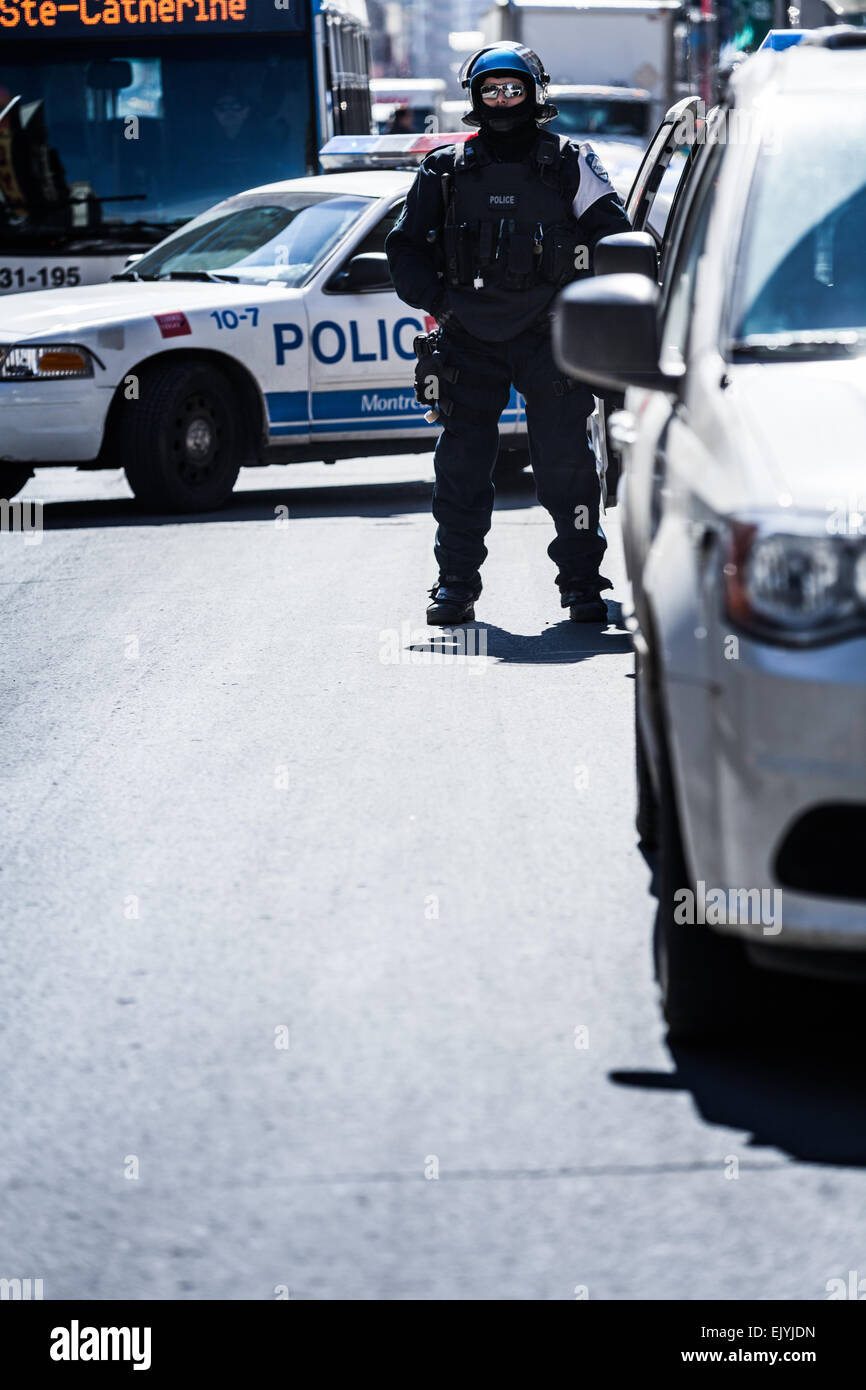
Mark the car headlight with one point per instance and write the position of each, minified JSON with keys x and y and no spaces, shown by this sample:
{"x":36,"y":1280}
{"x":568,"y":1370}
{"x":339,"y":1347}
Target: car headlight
{"x":45,"y":362}
{"x":794,"y":589}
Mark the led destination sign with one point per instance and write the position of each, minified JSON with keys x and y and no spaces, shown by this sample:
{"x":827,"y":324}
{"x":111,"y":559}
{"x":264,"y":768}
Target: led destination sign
{"x":70,"y":19}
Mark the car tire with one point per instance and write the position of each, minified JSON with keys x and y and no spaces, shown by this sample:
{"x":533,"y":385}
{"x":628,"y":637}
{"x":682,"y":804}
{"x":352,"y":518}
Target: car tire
{"x":706,"y":984}
{"x":13,"y":477}
{"x":180,"y":442}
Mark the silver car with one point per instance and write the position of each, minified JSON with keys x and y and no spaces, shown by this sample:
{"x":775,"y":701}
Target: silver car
{"x":739,"y":339}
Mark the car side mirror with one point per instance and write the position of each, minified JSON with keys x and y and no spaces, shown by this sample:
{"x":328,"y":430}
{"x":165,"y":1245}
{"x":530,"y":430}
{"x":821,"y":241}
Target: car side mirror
{"x":605,"y":331}
{"x":626,"y":253}
{"x":369,"y":271}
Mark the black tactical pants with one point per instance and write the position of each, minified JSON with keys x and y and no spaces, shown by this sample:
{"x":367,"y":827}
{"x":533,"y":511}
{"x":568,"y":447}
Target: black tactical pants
{"x":562,"y":461}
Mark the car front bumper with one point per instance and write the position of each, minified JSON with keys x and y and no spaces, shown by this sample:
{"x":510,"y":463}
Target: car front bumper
{"x":52,"y":421}
{"x":785,"y":740}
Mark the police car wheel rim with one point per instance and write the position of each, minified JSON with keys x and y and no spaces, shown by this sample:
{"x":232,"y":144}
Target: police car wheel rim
{"x":196,"y":442}
{"x":199,"y":437}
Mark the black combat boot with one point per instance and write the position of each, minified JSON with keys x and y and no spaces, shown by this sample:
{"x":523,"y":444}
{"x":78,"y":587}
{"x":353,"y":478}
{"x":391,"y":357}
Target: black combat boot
{"x":453,"y":598}
{"x":582,"y":598}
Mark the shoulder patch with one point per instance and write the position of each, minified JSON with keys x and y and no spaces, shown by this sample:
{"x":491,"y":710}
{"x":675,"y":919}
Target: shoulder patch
{"x":594,"y":183}
{"x":597,"y":167}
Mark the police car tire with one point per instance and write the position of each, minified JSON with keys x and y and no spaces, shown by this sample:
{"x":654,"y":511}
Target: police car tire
{"x":13,"y":477}
{"x":182,"y":407}
{"x":708,"y":990}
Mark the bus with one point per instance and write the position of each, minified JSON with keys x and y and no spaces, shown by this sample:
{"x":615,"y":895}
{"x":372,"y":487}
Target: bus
{"x":122,"y":119}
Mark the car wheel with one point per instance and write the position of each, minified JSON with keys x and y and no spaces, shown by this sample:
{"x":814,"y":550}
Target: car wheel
{"x":647,"y":818}
{"x":705,"y":981}
{"x":510,"y":463}
{"x":180,"y":441}
{"x":13,"y":477}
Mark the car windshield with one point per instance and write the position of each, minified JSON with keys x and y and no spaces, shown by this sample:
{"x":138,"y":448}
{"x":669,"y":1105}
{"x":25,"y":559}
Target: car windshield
{"x":257,"y":238}
{"x":600,"y":116}
{"x":801,"y":273}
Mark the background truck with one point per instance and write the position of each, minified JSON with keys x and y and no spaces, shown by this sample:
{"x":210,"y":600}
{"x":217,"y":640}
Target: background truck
{"x":629,"y":44}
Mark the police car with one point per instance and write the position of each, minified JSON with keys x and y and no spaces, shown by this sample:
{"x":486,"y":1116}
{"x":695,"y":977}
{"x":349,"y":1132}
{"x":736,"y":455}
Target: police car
{"x":264,"y":331}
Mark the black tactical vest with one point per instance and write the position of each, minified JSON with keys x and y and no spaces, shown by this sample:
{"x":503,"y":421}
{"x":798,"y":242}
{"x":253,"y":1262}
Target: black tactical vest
{"x":510,"y":236}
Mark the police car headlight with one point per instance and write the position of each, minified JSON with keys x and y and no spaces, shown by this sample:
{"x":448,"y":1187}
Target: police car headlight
{"x":794,"y":589}
{"x":45,"y":362}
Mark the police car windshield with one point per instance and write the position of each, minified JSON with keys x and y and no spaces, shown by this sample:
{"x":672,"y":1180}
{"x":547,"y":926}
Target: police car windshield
{"x":280,"y":236}
{"x":800,"y":280}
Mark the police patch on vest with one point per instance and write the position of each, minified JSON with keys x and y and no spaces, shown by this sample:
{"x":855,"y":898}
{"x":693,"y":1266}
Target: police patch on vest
{"x":597,"y":167}
{"x":503,"y":200}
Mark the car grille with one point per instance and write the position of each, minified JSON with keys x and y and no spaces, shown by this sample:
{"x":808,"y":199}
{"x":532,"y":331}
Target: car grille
{"x":824,"y":853}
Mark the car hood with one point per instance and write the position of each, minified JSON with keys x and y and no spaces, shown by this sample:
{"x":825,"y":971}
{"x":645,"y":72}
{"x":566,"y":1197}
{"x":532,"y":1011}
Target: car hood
{"x":805,"y":423}
{"x":45,"y":313}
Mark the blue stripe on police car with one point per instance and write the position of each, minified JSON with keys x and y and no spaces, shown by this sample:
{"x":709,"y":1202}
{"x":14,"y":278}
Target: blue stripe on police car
{"x":287,"y":407}
{"x":361,"y":405}
{"x":379,"y":409}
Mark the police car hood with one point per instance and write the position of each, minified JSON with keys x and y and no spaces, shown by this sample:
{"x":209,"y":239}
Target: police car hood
{"x":47,"y":313}
{"x":803,"y":426}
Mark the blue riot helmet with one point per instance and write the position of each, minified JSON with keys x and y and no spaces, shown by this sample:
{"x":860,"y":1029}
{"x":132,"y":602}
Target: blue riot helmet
{"x":503,"y":58}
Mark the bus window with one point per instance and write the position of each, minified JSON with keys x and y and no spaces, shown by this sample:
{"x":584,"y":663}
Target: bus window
{"x":159,"y":139}
{"x":114,"y":136}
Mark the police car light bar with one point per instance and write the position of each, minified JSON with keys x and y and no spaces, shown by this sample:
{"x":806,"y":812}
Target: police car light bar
{"x":830,"y":36}
{"x":345,"y":152}
{"x":782,"y":38}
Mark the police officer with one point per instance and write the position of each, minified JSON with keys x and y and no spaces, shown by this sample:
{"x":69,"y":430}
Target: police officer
{"x":491,"y":231}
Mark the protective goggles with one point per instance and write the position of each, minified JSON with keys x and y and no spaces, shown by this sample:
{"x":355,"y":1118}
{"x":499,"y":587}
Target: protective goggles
{"x":491,"y":90}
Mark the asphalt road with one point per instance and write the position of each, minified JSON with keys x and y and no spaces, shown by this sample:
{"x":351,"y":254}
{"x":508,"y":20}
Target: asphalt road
{"x":326,"y":953}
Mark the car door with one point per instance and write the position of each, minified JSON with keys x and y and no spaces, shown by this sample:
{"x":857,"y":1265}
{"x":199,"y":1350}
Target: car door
{"x":665,"y":167}
{"x":663,"y":418}
{"x":362,"y":361}
{"x":652,"y":206}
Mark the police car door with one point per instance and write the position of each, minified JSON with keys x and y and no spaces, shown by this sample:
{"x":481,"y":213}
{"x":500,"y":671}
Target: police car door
{"x":361,"y":353}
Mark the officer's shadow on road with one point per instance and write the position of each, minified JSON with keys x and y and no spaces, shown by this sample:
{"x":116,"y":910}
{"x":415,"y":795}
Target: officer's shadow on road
{"x":563,"y":643}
